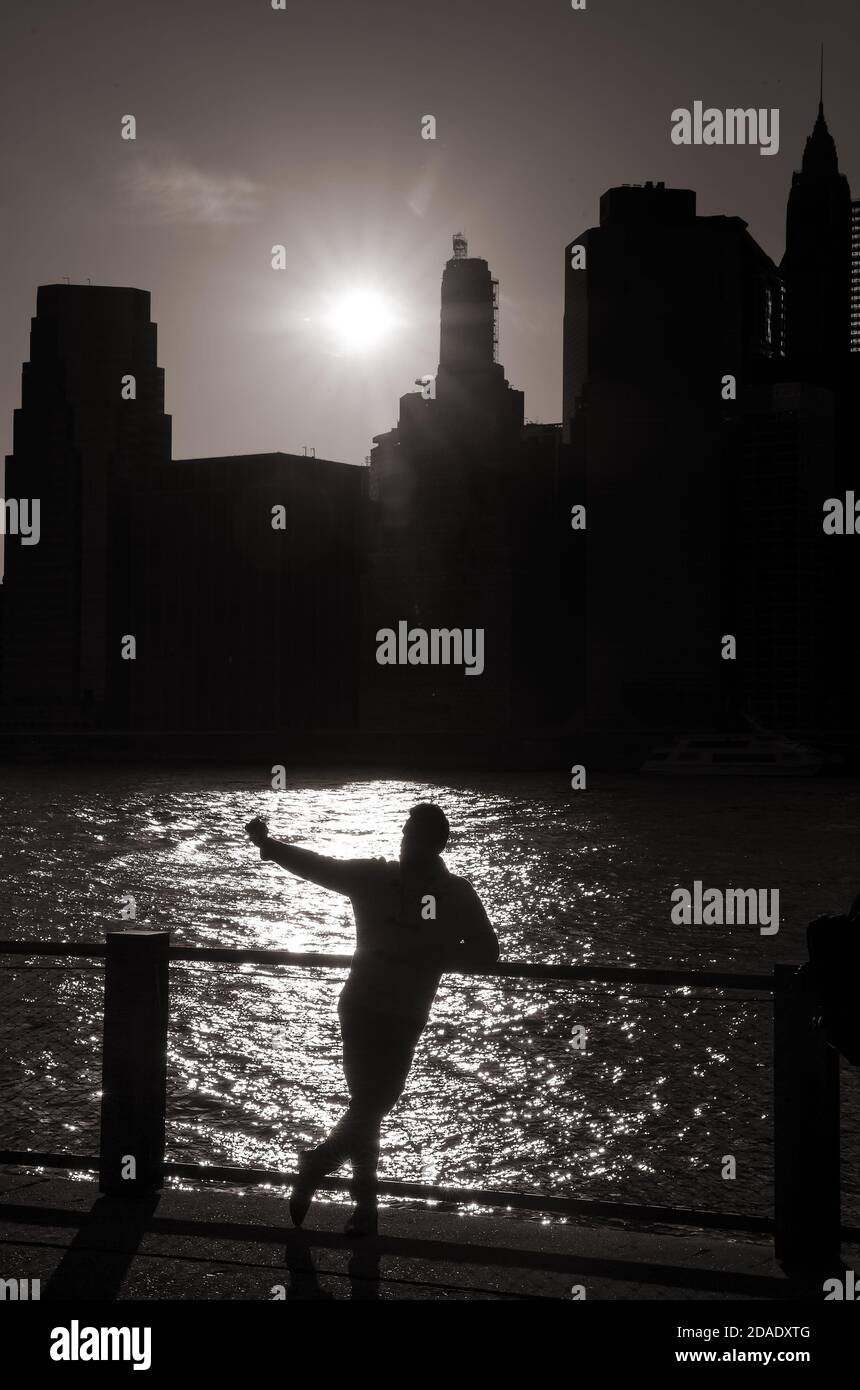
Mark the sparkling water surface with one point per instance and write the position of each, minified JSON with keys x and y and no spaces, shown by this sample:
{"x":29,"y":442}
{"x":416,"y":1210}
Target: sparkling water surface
{"x":670,"y":1082}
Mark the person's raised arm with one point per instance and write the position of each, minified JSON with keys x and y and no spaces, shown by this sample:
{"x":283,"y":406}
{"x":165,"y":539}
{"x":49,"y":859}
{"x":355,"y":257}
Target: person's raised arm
{"x":337,"y":874}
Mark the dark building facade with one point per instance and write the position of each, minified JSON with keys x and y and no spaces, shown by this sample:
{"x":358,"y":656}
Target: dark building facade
{"x":816,"y":266}
{"x":663,"y":308}
{"x":663,"y":296}
{"x":206,"y":594}
{"x":84,"y":437}
{"x":464,"y":534}
{"x":781,"y":576}
{"x":247,"y":595}
{"x":855,"y":276}
{"x":821,"y":267}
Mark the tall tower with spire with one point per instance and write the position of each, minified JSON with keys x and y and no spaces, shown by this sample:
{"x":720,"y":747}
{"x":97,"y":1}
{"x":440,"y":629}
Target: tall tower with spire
{"x":816,"y":266}
{"x":457,"y":531}
{"x":471,"y":390}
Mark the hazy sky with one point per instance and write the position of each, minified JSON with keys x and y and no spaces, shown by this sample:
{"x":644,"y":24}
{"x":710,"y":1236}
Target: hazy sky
{"x":303,"y":127}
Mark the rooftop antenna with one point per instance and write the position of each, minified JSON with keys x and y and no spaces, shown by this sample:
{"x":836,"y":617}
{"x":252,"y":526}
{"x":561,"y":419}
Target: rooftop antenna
{"x":821,"y":84}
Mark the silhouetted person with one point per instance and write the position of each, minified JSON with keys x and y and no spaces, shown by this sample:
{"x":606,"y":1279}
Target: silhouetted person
{"x":834,"y":965}
{"x":414,"y":920}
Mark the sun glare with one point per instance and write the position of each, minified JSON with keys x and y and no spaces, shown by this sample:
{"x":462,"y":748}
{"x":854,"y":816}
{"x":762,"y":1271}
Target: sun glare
{"x":361,"y":320}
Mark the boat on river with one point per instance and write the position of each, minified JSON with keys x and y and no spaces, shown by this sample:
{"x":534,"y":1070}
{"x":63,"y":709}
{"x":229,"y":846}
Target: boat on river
{"x":757,"y":753}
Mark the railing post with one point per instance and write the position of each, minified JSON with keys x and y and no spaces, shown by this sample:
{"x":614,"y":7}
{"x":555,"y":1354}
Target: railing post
{"x":134,"y":1064}
{"x":806,"y":1127}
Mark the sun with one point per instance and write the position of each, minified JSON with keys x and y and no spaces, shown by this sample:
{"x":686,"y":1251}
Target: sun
{"x":361,"y":319}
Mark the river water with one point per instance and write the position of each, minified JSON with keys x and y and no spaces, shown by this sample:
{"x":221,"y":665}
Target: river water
{"x":669,"y":1083}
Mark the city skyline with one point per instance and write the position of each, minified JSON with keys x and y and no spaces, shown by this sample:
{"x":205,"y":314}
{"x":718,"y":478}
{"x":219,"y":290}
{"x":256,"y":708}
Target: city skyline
{"x":680,"y":336}
{"x":659,"y":300}
{"x":195,"y":203}
{"x":330,"y":323}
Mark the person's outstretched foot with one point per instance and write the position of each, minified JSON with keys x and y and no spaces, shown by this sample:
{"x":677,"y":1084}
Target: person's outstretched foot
{"x":310,"y":1170}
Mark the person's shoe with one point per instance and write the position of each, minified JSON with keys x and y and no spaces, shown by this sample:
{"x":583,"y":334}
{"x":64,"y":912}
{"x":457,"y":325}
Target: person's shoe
{"x":364,"y":1218}
{"x":310,"y":1172}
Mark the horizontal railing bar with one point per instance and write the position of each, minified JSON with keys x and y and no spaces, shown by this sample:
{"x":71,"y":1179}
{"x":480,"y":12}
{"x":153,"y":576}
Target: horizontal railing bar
{"x":89,"y":949}
{"x":516,"y":969}
{"x":238,"y":955}
{"x":25,"y":1159}
{"x":487,"y":1197}
{"x":521,"y":1201}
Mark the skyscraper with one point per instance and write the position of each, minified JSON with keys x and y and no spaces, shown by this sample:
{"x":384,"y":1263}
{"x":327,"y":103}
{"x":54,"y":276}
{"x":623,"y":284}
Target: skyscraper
{"x":667,"y":317}
{"x":91,"y":423}
{"x":855,"y":276}
{"x":657,"y":294}
{"x":462,"y":530}
{"x":471,"y":390}
{"x":816,"y":266}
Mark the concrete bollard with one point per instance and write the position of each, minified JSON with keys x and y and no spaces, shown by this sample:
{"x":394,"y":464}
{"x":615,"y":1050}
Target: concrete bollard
{"x":134,"y":1063}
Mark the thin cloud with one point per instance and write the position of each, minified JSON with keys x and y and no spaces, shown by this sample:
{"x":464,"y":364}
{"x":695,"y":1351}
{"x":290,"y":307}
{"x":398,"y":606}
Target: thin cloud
{"x":185,"y":195}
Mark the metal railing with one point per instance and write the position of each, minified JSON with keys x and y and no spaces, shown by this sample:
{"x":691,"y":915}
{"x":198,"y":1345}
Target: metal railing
{"x":806,"y":1223}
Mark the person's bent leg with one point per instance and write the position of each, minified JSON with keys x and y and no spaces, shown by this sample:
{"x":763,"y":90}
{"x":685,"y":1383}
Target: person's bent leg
{"x":335,"y":1149}
{"x":379,"y":1061}
{"x":362,"y":1189}
{"x":317,"y":1163}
